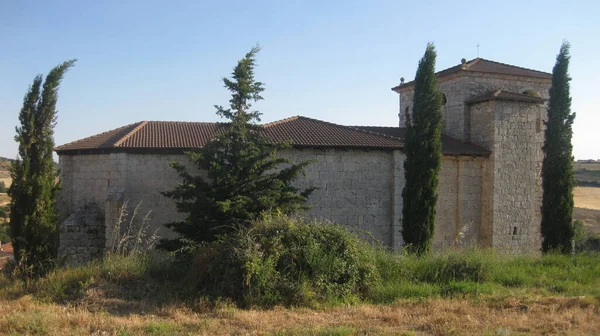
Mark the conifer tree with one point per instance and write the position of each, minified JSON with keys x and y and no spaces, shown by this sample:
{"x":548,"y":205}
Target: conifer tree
{"x":423,"y":147}
{"x":557,"y":168}
{"x":244,"y":177}
{"x":33,"y":216}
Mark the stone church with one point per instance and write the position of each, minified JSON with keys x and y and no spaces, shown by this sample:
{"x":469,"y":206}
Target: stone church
{"x":489,"y":189}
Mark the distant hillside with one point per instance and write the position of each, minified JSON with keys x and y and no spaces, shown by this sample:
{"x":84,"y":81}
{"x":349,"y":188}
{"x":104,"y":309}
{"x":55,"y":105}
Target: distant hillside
{"x":587,"y":173}
{"x":5,"y":163}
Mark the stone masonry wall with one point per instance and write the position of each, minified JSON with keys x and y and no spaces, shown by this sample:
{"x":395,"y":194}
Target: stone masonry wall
{"x":355,"y":188}
{"x":85,"y":179}
{"x":462,"y":87}
{"x":513,"y":131}
{"x":459,"y":201}
{"x":358,"y":188}
{"x":82,"y":236}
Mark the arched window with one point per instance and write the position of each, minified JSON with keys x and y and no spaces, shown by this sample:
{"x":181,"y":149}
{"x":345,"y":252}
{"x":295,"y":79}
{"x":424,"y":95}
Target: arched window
{"x":444,"y":100}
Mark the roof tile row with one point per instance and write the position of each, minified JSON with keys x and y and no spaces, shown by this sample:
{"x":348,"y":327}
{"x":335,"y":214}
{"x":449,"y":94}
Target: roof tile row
{"x":300,"y":131}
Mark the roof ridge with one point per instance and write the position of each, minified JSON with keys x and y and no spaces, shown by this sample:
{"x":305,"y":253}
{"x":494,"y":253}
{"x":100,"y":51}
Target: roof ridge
{"x":95,"y":135}
{"x":514,"y":66}
{"x":376,"y":133}
{"x":281,"y":121}
{"x":182,"y":122}
{"x":346,"y":127}
{"x":132,"y":132}
{"x":470,"y":63}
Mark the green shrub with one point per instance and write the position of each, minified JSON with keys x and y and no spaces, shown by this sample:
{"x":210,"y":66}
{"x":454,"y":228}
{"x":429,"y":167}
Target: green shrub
{"x":136,"y":276}
{"x":4,"y":232}
{"x":584,"y":241}
{"x":286,"y":261}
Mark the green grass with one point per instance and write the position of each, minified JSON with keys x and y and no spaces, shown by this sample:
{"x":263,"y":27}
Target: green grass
{"x":484,"y":272}
{"x":475,"y":273}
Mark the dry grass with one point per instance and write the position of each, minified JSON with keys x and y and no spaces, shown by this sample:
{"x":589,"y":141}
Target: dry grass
{"x":503,"y":316}
{"x":586,"y":166}
{"x":587,"y":197}
{"x":590,"y":219}
{"x":4,"y":199}
{"x":587,"y":202}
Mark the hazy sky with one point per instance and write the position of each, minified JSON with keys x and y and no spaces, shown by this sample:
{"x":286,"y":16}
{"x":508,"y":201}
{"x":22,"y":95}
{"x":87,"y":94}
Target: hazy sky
{"x":331,"y":60}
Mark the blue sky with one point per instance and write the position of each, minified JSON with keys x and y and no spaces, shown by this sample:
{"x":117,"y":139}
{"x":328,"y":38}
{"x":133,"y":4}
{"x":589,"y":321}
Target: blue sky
{"x":331,"y":60}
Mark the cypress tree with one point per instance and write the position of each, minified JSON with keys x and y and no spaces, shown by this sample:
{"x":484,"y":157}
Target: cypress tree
{"x":557,"y":168}
{"x":243,"y":176}
{"x":423,"y":148}
{"x":33,"y":215}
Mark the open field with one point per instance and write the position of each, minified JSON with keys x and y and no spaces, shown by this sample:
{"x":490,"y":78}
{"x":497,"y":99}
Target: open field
{"x":587,"y":202}
{"x":587,"y":197}
{"x":587,"y":174}
{"x":4,"y":199}
{"x":587,"y":166}
{"x":527,"y":295}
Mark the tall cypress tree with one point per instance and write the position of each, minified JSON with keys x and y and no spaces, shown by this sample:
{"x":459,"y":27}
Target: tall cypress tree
{"x":33,"y":215}
{"x":423,"y":147}
{"x":557,"y":167}
{"x":244,"y":177}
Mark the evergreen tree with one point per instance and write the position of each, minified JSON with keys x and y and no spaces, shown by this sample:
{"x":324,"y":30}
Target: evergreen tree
{"x":423,"y":147}
{"x":33,"y":216}
{"x":244,"y":177}
{"x":557,"y":167}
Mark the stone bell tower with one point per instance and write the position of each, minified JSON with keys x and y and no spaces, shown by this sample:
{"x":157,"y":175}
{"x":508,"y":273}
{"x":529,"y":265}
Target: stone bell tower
{"x":501,"y":108}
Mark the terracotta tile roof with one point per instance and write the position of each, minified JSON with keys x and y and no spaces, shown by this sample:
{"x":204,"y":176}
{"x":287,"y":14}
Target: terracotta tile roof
{"x":450,"y":146}
{"x":103,"y":140}
{"x":505,"y":95}
{"x":487,"y":66}
{"x":307,"y":132}
{"x":301,"y":131}
{"x":153,"y":136}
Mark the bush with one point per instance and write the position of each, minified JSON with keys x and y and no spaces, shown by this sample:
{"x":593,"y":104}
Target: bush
{"x":584,"y":241}
{"x":3,"y":187}
{"x":4,"y":233}
{"x":286,"y":261}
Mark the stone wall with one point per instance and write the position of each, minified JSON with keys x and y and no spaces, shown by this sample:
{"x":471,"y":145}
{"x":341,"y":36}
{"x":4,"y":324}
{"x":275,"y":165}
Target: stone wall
{"x":459,"y":201}
{"x":354,"y":188}
{"x":358,"y":188}
{"x":513,"y":131}
{"x":462,"y":87}
{"x":81,"y":235}
{"x":85,"y":179}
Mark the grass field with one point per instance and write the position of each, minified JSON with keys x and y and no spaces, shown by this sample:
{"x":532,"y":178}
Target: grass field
{"x":526,"y":295}
{"x":587,"y":197}
{"x":587,"y":173}
{"x":500,"y":316}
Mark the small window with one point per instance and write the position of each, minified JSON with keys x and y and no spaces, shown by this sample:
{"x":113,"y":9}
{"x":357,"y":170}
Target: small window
{"x":444,"y":100}
{"x":514,"y":230}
